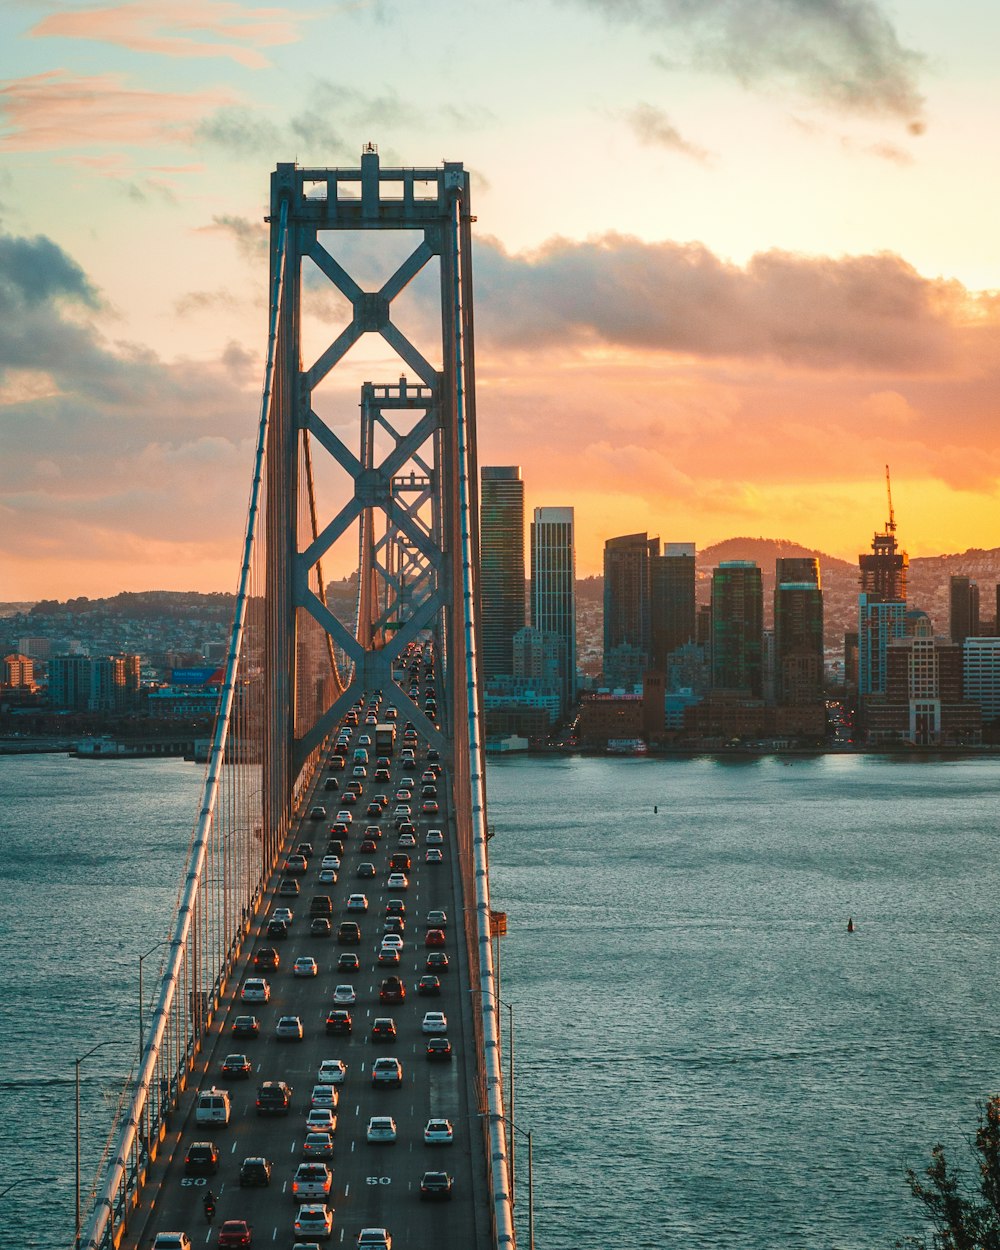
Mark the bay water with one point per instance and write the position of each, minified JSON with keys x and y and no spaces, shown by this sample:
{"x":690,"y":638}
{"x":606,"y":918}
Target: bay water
{"x":704,"y":1056}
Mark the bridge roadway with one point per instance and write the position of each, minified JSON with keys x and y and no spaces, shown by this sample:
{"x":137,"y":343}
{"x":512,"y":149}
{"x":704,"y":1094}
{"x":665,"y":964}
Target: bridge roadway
{"x":373,"y":1185}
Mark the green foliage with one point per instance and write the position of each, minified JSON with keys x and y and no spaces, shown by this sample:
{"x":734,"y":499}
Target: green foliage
{"x":962,"y":1218}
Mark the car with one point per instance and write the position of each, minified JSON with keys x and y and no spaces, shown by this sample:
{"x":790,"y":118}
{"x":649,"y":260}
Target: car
{"x":328,"y":876}
{"x":434,"y":837}
{"x":383,"y":1028}
{"x":398,"y":881}
{"x":296,"y":864}
{"x":374,"y":832}
{"x":330,"y":861}
{"x":337,"y":763}
{"x":427,"y":777}
{"x":245,"y":1026}
{"x":319,"y":926}
{"x":349,"y":800}
{"x":202,"y":1159}
{"x":255,"y":1172}
{"x":436,"y":919}
{"x":438,"y":1048}
{"x":235,"y":1233}
{"x":238,"y":1067}
{"x":354,"y":787}
{"x":434,"y":937}
{"x":274,"y":1098}
{"x":359,"y":770}
{"x":401,"y":812}
{"x":303,"y":848}
{"x":283,"y":913}
{"x":348,"y":962}
{"x":311,"y":1182}
{"x":430,"y":807}
{"x":366,"y":870}
{"x":393,"y":924}
{"x":318,"y":1146}
{"x":429,"y":986}
{"x":344,"y":817}
{"x":255,"y":990}
{"x":325,"y":1095}
{"x":429,"y":791}
{"x":266,"y":957}
{"x":437,"y":961}
{"x":434,"y":855}
{"x":338,"y":832}
{"x":368,"y":847}
{"x":288,"y":1029}
{"x":321,"y":1120}
{"x":403,"y":795}
{"x":381,"y":1128}
{"x":382,"y":774}
{"x":306,"y":966}
{"x":434,"y":1022}
{"x":172,"y":1241}
{"x":439,"y":1132}
{"x":408,"y":839}
{"x":348,"y":933}
{"x":335,"y":846}
{"x":357,"y":902}
{"x":382,"y":800}
{"x":332,"y":1071}
{"x":433,"y":755}
{"x":435,"y":1187}
{"x":387,"y":1071}
{"x":395,"y":907}
{"x":277,"y":929}
{"x":344,"y":995}
{"x":374,"y":1239}
{"x":393,"y":940}
{"x":374,"y":809}
{"x":317,"y":813}
{"x":388,"y":956}
{"x":338,"y":1020}
{"x":392,"y":990}
{"x":315,"y":1219}
{"x":331,"y":783}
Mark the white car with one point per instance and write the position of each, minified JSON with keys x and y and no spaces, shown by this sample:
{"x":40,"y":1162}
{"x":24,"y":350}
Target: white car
{"x":401,"y":811}
{"x":407,"y":782}
{"x":283,"y":913}
{"x":381,"y":1128}
{"x":332,"y":1071}
{"x":324,"y":1096}
{"x":434,"y":855}
{"x":321,"y":1120}
{"x":398,"y":881}
{"x":315,"y":1219}
{"x":305,"y":966}
{"x":436,"y":919}
{"x":434,"y":838}
{"x":387,"y":1071}
{"x":393,"y":940}
{"x":255,"y":990}
{"x":357,"y":902}
{"x":434,"y":1022}
{"x":439,"y":1133}
{"x":344,"y":995}
{"x":172,"y":1241}
{"x":332,"y":861}
{"x":404,"y":795}
{"x":328,"y":876}
{"x":374,"y":1239}
{"x":407,"y":839}
{"x":365,"y":740}
{"x":288,"y":1029}
{"x":344,"y":817}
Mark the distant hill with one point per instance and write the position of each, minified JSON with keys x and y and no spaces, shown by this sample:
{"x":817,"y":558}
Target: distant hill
{"x":764,"y":551}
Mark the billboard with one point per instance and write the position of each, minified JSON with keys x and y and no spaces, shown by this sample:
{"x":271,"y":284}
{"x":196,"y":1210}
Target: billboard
{"x":195,"y":676}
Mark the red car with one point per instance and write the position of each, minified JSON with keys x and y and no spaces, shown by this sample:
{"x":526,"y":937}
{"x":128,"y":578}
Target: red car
{"x":435,"y":937}
{"x":235,"y":1233}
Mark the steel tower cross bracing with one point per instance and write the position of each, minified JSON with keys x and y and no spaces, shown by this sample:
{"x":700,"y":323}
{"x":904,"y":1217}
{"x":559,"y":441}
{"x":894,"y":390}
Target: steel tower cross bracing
{"x":410,"y":491}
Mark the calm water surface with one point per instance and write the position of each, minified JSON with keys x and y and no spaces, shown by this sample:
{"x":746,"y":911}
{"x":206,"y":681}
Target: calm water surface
{"x":704,"y":1056}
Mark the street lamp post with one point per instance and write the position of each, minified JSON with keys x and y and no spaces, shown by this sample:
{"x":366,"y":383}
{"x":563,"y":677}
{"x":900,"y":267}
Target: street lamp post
{"x":110,"y":1041}
{"x":531,"y":1175}
{"x":142,"y":1032}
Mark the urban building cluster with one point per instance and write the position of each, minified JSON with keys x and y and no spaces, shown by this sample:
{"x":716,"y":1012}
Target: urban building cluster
{"x":704,"y":675}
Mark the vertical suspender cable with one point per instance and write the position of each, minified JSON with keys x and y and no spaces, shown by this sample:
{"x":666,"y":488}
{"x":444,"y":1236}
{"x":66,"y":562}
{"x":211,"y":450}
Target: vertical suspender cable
{"x":116,"y":1175}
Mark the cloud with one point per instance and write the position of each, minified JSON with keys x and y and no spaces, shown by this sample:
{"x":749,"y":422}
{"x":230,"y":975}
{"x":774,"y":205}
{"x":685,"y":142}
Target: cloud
{"x":184,"y":28}
{"x":844,"y":54}
{"x":653,"y":128}
{"x":60,"y":110}
{"x":861,"y":312}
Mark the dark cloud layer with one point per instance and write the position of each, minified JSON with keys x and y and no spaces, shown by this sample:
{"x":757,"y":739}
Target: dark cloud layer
{"x":843,"y":53}
{"x":862,"y":312}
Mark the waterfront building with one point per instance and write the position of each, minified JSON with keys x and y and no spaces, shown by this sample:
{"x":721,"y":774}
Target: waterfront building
{"x":798,"y":631}
{"x":626,"y":595}
{"x":19,"y":673}
{"x":878,"y":624}
{"x":981,"y":674}
{"x":553,"y":589}
{"x":964,"y":608}
{"x":501,"y":546}
{"x":738,"y":627}
{"x":114,"y":683}
{"x":69,"y":682}
{"x":671,"y":601}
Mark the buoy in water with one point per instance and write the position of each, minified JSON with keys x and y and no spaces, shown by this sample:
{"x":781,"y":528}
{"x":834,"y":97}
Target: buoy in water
{"x":850,"y":924}
{"x":655,"y":809}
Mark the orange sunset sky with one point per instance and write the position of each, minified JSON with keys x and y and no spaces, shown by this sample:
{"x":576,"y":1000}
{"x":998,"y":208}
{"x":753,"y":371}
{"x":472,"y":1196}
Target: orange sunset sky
{"x":730,"y":260}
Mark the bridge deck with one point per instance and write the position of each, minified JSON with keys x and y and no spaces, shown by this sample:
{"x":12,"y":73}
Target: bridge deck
{"x":373,"y":1185}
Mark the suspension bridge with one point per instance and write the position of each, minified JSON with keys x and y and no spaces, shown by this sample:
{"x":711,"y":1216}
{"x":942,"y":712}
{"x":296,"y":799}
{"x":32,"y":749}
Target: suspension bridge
{"x":382,"y":473}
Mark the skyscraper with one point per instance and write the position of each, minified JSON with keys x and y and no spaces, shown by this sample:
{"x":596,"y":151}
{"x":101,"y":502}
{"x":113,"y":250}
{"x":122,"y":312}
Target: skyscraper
{"x":501,"y":550}
{"x":798,"y":631}
{"x":738,"y":627}
{"x":626,"y":596}
{"x":964,"y":615}
{"x":671,"y":601}
{"x":553,"y":587}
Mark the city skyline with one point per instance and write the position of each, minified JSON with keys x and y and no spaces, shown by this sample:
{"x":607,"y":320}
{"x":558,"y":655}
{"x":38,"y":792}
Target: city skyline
{"x":719,"y":282}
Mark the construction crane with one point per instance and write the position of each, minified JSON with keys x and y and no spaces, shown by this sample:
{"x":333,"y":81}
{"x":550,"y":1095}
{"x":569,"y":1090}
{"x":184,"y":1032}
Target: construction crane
{"x":891,"y":524}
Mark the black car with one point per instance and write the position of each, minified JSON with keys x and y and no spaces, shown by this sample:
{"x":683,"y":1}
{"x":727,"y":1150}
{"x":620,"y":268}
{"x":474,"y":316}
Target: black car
{"x":245,"y":1026}
{"x":202,"y":1159}
{"x":266,"y":958}
{"x":366,"y":869}
{"x":255,"y":1172}
{"x":277,"y":930}
{"x":335,"y":847}
{"x":429,"y":986}
{"x":437,"y":961}
{"x":395,"y":907}
{"x":339,"y":1021}
{"x":349,"y":933}
{"x":438,"y":1048}
{"x":435,"y":1186}
{"x":331,"y":783}
{"x":274,"y":1098}
{"x":319,"y":926}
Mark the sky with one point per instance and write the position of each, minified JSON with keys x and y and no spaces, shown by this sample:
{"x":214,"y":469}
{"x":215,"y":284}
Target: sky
{"x":731,"y":258}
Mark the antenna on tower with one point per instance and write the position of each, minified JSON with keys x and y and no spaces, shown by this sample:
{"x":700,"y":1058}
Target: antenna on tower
{"x":891,"y":526}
